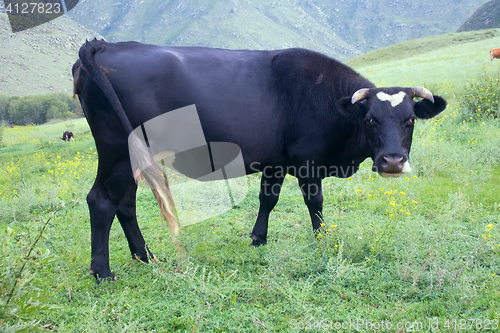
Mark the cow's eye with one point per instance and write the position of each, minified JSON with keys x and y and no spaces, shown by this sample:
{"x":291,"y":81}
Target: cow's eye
{"x":370,"y":120}
{"x":412,"y":120}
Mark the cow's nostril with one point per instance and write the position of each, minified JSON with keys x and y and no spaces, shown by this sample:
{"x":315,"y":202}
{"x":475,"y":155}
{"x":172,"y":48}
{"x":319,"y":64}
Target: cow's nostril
{"x":392,"y":164}
{"x":392,"y":159}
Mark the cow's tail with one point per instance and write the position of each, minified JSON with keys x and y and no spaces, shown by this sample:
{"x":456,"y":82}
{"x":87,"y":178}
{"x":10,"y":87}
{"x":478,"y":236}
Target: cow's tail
{"x":76,"y":77}
{"x":156,"y":179}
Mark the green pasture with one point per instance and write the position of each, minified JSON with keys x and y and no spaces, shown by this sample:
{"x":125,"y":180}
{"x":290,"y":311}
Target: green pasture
{"x":443,"y":63}
{"x":395,"y":254}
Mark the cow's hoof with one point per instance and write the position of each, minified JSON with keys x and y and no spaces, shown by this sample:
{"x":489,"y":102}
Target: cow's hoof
{"x":104,"y":275}
{"x":145,"y":258}
{"x":256,"y":241}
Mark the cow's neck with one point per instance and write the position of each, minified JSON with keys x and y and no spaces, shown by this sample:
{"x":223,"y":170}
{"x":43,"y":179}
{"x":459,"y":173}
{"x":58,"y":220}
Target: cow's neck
{"x":354,"y":147}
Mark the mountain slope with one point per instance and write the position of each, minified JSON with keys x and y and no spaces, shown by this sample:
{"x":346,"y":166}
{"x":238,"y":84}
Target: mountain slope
{"x":342,"y":29}
{"x":227,"y":24}
{"x":371,"y":24}
{"x":39,"y":60}
{"x":445,"y":62}
{"x":486,"y":17}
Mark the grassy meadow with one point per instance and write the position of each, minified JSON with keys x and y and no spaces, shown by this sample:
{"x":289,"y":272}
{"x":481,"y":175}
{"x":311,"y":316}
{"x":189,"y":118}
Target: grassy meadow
{"x":443,"y":63}
{"x":407,"y":254}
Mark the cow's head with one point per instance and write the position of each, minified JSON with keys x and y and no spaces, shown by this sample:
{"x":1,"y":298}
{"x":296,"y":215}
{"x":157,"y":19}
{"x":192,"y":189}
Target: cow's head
{"x":388,"y":116}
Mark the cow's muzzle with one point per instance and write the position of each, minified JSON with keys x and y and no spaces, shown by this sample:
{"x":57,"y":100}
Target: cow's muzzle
{"x":392,"y":165}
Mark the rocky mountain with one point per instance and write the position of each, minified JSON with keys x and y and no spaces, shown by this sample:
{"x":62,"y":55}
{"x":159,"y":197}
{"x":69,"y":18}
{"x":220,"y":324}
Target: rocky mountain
{"x":486,"y":17}
{"x":340,"y":28}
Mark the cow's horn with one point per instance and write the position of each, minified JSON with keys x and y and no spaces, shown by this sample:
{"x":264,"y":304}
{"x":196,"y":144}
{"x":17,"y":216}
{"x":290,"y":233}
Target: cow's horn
{"x":422,"y":92}
{"x":359,"y":95}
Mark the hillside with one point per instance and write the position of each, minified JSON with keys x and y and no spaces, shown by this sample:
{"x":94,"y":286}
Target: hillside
{"x":245,"y":24}
{"x":446,"y":62}
{"x":39,"y":60}
{"x":486,"y":17}
{"x":342,"y":29}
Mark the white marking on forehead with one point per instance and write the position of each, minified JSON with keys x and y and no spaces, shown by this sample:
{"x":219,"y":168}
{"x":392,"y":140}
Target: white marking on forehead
{"x":394,"y":99}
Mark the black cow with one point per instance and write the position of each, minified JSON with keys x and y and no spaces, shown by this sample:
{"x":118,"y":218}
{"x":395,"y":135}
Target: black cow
{"x":68,"y":136}
{"x":290,"y":111}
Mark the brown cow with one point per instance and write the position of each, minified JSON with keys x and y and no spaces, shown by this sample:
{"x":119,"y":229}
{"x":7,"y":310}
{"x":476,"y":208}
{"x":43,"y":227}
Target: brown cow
{"x":495,"y":53}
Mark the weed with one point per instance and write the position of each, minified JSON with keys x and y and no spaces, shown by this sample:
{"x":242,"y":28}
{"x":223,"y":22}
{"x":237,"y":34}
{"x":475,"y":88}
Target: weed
{"x":481,"y":97}
{"x":21,"y":297}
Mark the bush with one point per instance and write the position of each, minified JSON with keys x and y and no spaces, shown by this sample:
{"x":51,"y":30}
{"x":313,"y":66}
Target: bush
{"x":4,"y":107}
{"x":481,"y":97}
{"x":2,"y":128}
{"x":36,"y":109}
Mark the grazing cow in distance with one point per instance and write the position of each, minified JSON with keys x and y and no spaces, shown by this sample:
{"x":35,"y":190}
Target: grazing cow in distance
{"x":290,"y":111}
{"x":495,"y":54}
{"x":68,"y":136}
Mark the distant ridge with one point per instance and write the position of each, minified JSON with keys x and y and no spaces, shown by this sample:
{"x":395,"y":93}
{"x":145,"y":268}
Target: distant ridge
{"x":486,"y":17}
{"x":341,"y":29}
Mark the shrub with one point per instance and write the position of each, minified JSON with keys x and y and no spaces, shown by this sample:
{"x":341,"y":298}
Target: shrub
{"x":4,"y":107}
{"x":481,"y":97}
{"x":2,"y":128}
{"x":37,"y":109}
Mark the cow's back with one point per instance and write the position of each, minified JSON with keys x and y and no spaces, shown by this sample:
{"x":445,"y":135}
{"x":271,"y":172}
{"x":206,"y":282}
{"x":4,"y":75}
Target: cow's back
{"x":234,"y":91}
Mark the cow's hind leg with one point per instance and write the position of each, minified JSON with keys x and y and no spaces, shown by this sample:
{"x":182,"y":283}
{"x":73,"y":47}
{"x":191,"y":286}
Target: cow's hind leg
{"x":102,"y":212}
{"x":112,"y":194}
{"x":270,"y":188}
{"x":126,"y":214}
{"x":313,"y":197}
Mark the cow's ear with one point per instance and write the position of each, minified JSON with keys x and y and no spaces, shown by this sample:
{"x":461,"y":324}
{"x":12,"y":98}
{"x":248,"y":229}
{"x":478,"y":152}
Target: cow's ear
{"x":352,"y":111}
{"x":425,"y":109}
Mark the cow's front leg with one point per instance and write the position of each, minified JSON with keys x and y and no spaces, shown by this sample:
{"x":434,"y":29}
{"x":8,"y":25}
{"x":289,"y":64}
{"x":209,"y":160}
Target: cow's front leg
{"x":313,"y":197}
{"x":270,"y":188}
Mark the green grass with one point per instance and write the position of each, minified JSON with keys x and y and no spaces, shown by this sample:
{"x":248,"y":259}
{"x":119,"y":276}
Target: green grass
{"x":421,"y":248}
{"x":407,"y":249}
